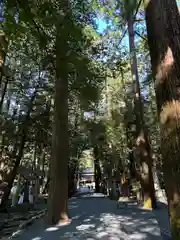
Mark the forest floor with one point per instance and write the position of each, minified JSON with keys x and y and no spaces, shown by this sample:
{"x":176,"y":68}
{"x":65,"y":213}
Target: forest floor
{"x":95,"y":217}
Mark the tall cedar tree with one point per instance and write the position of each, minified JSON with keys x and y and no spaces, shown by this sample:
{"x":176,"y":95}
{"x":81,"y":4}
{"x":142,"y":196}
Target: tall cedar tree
{"x":163,"y":28}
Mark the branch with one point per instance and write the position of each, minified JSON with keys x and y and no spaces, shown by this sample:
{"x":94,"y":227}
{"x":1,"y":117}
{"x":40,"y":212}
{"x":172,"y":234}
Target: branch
{"x":134,"y":17}
{"x":38,"y":28}
{"x":144,"y":38}
{"x":139,"y":20}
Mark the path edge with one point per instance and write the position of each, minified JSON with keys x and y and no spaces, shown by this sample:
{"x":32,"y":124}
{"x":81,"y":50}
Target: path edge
{"x":38,"y":215}
{"x":27,"y":223}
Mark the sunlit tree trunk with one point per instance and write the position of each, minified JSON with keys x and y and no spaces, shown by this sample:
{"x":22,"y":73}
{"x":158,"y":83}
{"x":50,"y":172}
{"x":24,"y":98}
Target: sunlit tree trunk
{"x":142,"y":142}
{"x":163,"y":28}
{"x":4,"y":90}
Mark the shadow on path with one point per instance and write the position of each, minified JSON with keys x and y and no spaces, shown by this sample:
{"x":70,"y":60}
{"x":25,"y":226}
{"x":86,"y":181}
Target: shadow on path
{"x":98,"y":218}
{"x":161,"y":215}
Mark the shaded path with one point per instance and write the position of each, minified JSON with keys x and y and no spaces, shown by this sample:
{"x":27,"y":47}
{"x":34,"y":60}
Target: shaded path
{"x":161,"y":215}
{"x":98,"y":218}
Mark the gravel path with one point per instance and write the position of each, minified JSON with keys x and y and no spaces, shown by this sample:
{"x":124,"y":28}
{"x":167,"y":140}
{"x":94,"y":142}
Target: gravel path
{"x":95,"y":217}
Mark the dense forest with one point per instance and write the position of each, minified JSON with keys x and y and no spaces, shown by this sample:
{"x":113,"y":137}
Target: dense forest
{"x":93,"y":75}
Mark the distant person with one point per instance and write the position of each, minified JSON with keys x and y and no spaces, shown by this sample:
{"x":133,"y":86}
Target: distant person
{"x":21,"y":198}
{"x":31,"y":193}
{"x":13,"y":194}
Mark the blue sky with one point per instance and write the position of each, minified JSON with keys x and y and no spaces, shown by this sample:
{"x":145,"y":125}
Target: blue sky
{"x":101,"y":24}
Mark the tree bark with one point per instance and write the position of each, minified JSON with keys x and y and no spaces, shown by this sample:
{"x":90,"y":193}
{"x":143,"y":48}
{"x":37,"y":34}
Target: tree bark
{"x":163,"y":28}
{"x":45,"y":187}
{"x":71,"y":182}
{"x":58,"y":194}
{"x":3,"y":51}
{"x":97,"y":169}
{"x":142,"y":142}
{"x":3,"y":93}
{"x":58,"y":199}
{"x":131,"y":156}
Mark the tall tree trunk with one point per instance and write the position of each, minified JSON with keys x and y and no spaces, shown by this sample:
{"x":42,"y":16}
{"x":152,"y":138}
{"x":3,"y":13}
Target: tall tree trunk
{"x":131,"y":156}
{"x":142,"y":141}
{"x":97,"y":169}
{"x":36,"y":168}
{"x":163,"y":28}
{"x":127,"y":124}
{"x":3,"y":93}
{"x":3,"y":51}
{"x":43,"y":177}
{"x":58,"y":194}
{"x":58,"y":199}
{"x":71,"y":181}
{"x":45,"y":187}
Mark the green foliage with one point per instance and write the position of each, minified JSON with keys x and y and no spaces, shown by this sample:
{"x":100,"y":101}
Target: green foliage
{"x":31,"y":32}
{"x":128,"y":8}
{"x":98,"y":71}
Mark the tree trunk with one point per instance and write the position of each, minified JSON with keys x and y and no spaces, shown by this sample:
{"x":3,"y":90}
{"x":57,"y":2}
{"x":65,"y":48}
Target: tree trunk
{"x":97,"y":169}
{"x":142,"y":141}
{"x":71,"y":181}
{"x":58,"y":194}
{"x":26,"y":192}
{"x":58,"y":199}
{"x":3,"y":51}
{"x":163,"y":28}
{"x":131,"y":156}
{"x":36,"y":167}
{"x":45,"y":187}
{"x":3,"y":93}
{"x":43,"y":177}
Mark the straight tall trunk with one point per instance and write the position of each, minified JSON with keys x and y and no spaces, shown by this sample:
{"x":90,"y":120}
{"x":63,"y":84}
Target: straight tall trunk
{"x":58,"y":199}
{"x":58,"y":192}
{"x":71,"y":181}
{"x":4,"y":90}
{"x":3,"y":51}
{"x":142,"y":143}
{"x":43,"y":177}
{"x":131,"y":156}
{"x":36,"y":168}
{"x":163,"y":29}
{"x":127,"y":124}
{"x":97,"y":169}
